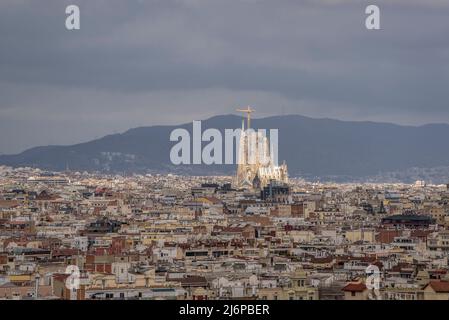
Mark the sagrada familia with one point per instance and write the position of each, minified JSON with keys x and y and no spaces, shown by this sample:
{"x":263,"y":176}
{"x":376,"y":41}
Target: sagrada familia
{"x":256,"y":168}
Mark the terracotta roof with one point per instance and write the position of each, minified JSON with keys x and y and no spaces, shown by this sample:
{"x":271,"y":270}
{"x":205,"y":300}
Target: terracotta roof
{"x":8,"y":203}
{"x":387,"y":236}
{"x":193,"y":280}
{"x":439,"y":286}
{"x":420,"y":233}
{"x":354,"y":287}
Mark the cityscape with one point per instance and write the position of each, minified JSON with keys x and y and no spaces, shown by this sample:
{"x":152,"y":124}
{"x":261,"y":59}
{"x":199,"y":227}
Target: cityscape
{"x":224,"y":158}
{"x":258,"y":235}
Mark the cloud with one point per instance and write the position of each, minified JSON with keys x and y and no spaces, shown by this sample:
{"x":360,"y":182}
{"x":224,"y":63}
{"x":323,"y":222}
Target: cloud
{"x":168,"y":61}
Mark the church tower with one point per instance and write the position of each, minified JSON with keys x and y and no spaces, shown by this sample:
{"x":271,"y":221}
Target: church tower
{"x":255,"y":168}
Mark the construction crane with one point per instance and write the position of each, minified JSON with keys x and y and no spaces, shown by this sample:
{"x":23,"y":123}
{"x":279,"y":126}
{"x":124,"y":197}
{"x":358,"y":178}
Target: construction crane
{"x":248,"y":111}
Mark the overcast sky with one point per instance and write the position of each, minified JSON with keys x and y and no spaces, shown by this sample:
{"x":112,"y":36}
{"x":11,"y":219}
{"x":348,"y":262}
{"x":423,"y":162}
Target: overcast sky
{"x":136,"y":63}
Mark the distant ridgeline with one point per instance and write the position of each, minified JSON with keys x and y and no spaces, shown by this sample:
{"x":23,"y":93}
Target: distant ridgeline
{"x":316,"y":149}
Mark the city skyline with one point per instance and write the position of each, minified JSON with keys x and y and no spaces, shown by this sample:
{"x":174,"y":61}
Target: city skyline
{"x":224,"y":156}
{"x":84,"y":236}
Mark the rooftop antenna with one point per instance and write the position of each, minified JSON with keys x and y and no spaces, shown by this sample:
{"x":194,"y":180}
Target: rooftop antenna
{"x":248,"y":111}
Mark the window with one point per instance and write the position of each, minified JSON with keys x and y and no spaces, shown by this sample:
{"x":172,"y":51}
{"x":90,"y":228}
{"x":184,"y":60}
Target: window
{"x":353,"y":293}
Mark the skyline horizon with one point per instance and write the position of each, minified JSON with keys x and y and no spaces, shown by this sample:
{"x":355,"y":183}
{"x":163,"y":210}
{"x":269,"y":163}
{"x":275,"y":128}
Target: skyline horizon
{"x":205,"y":118}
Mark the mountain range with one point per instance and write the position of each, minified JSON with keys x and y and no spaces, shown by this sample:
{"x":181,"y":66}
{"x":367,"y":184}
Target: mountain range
{"x":313,"y":148}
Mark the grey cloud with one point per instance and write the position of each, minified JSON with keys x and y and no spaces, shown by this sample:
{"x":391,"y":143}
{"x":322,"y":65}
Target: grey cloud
{"x":134,"y":60}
